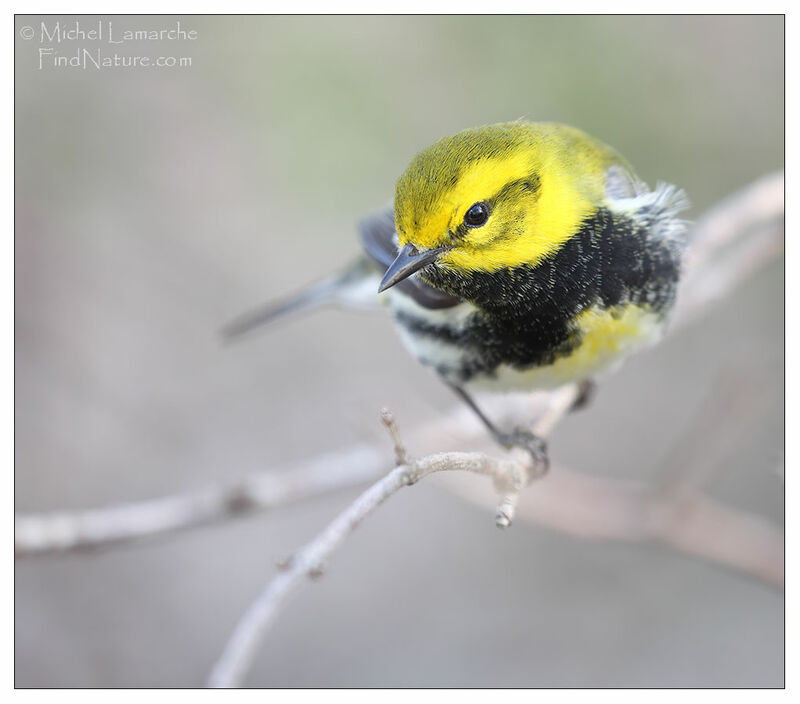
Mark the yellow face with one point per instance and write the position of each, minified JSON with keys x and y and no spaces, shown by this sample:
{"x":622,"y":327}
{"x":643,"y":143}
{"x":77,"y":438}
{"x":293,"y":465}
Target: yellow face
{"x":500,"y":196}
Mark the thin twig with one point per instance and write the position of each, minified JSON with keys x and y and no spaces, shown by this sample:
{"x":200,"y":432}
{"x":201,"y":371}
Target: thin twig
{"x":668,"y":521}
{"x":735,"y":239}
{"x":38,"y":534}
{"x":240,"y":650}
{"x":592,"y":507}
{"x":606,"y":508}
{"x":732,"y":241}
{"x":391,"y":425}
{"x":509,"y":477}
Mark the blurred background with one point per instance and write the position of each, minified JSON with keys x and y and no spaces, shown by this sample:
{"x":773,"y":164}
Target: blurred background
{"x":154,"y":204}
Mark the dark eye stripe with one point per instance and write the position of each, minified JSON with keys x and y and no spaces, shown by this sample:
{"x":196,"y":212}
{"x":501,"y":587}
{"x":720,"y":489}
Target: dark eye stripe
{"x":530,"y":183}
{"x":461,"y":231}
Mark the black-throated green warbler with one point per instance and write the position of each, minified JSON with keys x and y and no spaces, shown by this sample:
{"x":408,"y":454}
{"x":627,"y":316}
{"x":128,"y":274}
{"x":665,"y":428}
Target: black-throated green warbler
{"x":518,"y":255}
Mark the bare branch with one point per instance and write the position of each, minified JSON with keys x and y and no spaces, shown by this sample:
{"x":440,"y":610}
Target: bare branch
{"x":732,"y":241}
{"x":700,"y":526}
{"x":728,"y":413}
{"x":36,"y":534}
{"x":685,"y":522}
{"x":596,"y":508}
{"x":729,"y":243}
{"x":510,"y":476}
{"x":232,"y":666}
{"x":604,"y":508}
{"x":391,"y":425}
{"x":755,"y":205}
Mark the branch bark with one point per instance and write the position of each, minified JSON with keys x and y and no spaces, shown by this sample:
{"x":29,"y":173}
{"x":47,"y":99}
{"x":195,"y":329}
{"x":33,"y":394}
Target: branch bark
{"x":688,"y":522}
{"x":731,"y":242}
{"x":509,"y":475}
{"x":602,"y":508}
{"x":232,"y":666}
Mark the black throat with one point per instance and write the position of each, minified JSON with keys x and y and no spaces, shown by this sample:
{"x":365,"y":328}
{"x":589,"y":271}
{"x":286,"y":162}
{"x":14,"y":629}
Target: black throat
{"x":611,"y":260}
{"x":529,"y":311}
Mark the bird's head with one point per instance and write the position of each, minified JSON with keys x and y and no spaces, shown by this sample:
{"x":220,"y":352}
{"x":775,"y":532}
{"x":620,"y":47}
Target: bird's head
{"x":495,"y":198}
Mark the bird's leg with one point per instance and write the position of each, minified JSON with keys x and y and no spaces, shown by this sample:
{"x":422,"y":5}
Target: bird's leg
{"x":586,"y":391}
{"x":518,"y":437}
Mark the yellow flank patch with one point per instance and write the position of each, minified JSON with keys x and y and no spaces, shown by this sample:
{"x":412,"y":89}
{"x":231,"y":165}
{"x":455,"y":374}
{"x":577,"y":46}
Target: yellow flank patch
{"x":608,"y":336}
{"x":609,"y":332}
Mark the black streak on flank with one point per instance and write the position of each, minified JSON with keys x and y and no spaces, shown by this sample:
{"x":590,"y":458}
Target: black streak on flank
{"x":527,"y":312}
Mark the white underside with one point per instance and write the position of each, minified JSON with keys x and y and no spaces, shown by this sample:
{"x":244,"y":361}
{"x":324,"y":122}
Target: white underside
{"x":607,"y":340}
{"x":607,"y":337}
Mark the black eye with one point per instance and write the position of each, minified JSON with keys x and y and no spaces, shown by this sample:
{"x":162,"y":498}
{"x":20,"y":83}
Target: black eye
{"x":477,"y":215}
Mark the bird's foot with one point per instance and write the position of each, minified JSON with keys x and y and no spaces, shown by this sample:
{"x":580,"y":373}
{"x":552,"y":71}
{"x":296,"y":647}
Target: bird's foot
{"x":533,"y":444}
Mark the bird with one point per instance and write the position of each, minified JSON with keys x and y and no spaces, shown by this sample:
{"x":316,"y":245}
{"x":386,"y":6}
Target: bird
{"x":515,"y":256}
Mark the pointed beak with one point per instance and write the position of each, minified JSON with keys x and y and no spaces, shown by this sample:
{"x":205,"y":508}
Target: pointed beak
{"x":409,"y":261}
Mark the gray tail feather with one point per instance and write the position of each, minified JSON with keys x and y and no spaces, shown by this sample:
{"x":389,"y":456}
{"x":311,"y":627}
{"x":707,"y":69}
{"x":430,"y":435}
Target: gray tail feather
{"x":337,"y":289}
